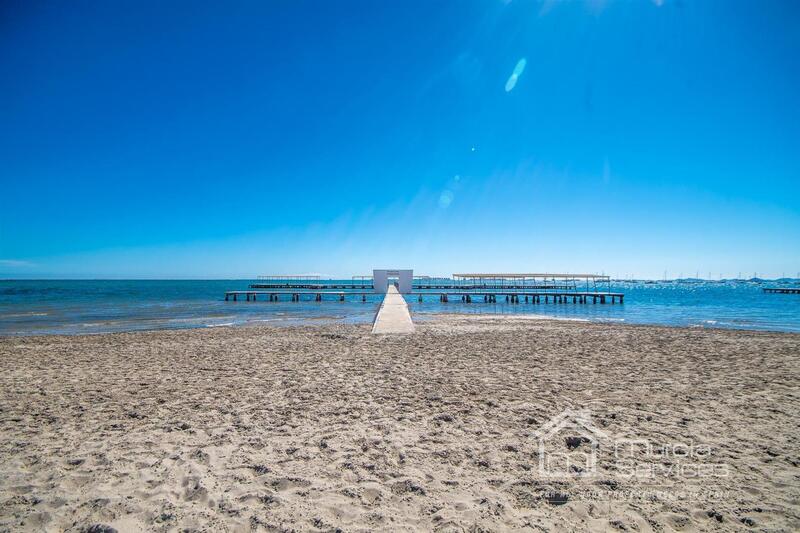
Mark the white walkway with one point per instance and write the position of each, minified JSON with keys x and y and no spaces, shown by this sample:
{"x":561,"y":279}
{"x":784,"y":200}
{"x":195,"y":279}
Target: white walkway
{"x":393,"y":316}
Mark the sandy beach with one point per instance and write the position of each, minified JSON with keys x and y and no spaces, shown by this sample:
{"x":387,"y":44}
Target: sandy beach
{"x":319,"y":428}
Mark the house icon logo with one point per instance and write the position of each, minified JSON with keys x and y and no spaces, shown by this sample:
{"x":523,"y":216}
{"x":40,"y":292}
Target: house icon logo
{"x":568,"y":445}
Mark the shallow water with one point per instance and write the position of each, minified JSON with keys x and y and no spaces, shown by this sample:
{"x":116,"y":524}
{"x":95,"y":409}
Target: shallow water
{"x":75,"y":307}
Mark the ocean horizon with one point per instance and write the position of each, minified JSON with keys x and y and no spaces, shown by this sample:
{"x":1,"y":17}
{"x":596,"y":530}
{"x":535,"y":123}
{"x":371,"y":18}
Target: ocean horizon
{"x":74,"y":307}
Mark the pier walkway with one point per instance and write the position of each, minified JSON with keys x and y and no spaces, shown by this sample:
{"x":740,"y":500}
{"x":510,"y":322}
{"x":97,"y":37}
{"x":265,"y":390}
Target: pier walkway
{"x":393,"y":315}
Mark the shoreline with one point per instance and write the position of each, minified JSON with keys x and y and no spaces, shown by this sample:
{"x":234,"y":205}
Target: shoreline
{"x":315,"y":427}
{"x":418,"y":318}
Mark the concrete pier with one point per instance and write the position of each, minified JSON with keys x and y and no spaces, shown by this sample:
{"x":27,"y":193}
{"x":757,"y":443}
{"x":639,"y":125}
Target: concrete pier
{"x":393,"y":315}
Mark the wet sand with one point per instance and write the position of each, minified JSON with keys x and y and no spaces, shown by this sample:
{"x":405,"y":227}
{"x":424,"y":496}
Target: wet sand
{"x":316,"y":428}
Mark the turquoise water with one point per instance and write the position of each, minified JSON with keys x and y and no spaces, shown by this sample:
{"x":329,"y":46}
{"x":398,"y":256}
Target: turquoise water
{"x":74,"y":307}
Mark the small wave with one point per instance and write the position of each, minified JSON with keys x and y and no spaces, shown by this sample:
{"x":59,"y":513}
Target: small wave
{"x":225,"y":324}
{"x":20,"y":315}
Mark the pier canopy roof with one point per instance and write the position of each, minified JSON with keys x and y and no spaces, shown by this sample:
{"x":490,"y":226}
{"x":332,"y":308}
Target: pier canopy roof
{"x":540,"y":275}
{"x":289,"y":276}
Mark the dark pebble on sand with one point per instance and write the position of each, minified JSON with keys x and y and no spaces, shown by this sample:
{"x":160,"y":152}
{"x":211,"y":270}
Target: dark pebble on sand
{"x":610,"y":483}
{"x":259,"y":469}
{"x":574,"y":442}
{"x":99,"y":528}
{"x":557,"y":498}
{"x":165,"y":517}
{"x":407,"y":486}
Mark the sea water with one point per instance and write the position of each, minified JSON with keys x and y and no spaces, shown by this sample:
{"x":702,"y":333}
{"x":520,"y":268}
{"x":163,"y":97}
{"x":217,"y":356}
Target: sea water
{"x":78,"y":307}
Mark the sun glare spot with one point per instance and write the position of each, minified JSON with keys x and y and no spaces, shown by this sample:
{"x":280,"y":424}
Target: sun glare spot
{"x":518,"y":69}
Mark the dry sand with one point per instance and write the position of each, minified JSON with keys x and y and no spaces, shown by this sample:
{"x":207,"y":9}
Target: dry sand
{"x":319,"y":428}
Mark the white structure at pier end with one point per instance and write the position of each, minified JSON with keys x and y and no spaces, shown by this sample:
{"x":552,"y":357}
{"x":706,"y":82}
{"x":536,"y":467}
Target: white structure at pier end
{"x":404,"y":280}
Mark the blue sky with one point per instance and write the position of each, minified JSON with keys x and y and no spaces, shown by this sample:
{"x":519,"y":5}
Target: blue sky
{"x":190,"y":139}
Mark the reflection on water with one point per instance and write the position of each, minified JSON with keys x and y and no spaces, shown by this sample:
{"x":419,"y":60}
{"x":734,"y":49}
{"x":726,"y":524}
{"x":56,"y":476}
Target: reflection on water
{"x":70,"y":307}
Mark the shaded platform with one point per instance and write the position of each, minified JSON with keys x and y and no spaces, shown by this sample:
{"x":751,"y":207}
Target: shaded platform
{"x":532,"y":297}
{"x":393,"y":315}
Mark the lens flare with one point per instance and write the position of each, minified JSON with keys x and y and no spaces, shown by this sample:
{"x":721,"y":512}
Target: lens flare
{"x":446,"y":199}
{"x":518,"y":69}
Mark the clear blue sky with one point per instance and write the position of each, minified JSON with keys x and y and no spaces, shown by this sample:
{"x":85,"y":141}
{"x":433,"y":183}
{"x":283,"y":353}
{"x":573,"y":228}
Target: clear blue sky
{"x":192,"y":139}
